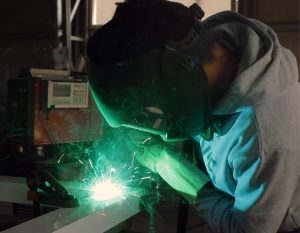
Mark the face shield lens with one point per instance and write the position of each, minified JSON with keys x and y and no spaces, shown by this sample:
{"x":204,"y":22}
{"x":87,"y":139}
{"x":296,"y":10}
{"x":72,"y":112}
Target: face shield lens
{"x":151,"y":120}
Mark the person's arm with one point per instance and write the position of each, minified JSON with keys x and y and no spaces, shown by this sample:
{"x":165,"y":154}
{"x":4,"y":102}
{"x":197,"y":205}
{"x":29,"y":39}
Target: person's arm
{"x":169,"y":163}
{"x":181,"y":174}
{"x":263,"y":193}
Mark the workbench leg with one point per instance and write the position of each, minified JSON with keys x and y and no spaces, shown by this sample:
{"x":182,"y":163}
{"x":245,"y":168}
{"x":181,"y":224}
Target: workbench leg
{"x":36,"y":209}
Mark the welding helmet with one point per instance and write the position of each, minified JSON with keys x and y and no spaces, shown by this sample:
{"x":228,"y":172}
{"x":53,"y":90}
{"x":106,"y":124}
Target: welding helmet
{"x":163,"y":91}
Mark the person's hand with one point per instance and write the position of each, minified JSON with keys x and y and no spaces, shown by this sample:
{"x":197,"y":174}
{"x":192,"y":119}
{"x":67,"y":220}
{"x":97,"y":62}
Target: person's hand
{"x":160,"y":157}
{"x":147,"y":149}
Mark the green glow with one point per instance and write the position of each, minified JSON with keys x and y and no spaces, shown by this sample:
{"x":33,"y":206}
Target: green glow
{"x":105,"y":171}
{"x":181,"y":174}
{"x":47,"y":184}
{"x":107,"y":190}
{"x":40,"y":190}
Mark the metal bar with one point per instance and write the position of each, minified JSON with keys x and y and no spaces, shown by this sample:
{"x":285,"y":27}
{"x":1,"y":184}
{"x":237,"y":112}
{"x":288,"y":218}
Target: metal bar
{"x":15,"y":190}
{"x":59,"y":13}
{"x":77,"y":38}
{"x":236,"y":6}
{"x":88,"y":218}
{"x":74,"y":10}
{"x":182,"y":217}
{"x":87,"y":23}
{"x":68,"y":32}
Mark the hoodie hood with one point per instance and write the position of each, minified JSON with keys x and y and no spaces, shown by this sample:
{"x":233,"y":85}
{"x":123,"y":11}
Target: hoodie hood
{"x":265,"y":70}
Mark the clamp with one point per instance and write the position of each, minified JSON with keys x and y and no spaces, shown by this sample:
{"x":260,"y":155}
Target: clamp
{"x":45,"y":189}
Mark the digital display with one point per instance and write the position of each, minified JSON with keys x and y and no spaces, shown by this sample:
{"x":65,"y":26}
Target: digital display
{"x":61,"y":90}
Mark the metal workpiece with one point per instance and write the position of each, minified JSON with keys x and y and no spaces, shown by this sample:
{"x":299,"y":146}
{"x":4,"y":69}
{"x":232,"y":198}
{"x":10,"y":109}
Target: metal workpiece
{"x":88,"y":217}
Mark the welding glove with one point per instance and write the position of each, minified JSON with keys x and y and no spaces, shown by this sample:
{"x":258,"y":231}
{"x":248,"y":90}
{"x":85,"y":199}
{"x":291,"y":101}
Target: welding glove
{"x":158,"y":156}
{"x":147,"y":149}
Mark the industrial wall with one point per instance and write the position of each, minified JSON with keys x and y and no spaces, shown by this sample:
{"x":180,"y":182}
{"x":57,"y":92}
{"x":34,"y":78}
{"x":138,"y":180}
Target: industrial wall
{"x":29,"y":31}
{"x":282,"y":16}
{"x":27,"y":36}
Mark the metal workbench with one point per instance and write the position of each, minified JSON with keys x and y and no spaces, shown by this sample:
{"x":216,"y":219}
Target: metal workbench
{"x":85,"y":218}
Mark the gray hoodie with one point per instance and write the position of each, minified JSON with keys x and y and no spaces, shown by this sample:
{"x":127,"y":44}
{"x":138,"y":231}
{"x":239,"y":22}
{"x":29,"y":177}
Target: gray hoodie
{"x":253,"y":159}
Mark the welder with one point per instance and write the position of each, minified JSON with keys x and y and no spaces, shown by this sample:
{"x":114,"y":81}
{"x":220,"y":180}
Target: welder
{"x":225,"y":82}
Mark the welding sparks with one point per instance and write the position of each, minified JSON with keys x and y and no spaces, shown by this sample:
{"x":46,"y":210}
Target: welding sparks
{"x":108,"y":171}
{"x":107,"y":190}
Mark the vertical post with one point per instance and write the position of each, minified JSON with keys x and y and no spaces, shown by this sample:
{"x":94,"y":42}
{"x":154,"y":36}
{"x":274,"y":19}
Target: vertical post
{"x":182,"y":217}
{"x":68,"y":32}
{"x":74,"y":10}
{"x":235,"y":5}
{"x":36,"y":209}
{"x":87,"y":23}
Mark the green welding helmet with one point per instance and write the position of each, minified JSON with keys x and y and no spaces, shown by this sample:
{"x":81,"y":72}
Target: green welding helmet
{"x":163,"y":91}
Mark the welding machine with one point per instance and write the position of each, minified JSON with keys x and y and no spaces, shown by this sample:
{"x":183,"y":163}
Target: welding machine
{"x":53,"y":107}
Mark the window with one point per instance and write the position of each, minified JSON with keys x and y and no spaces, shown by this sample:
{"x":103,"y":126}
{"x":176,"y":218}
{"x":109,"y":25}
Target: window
{"x":103,"y":10}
